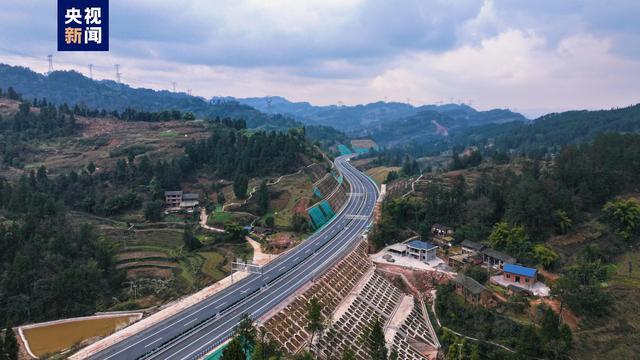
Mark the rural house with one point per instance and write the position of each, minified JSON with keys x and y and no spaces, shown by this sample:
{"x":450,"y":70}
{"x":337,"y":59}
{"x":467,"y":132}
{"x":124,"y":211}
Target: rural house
{"x":519,"y":274}
{"x":421,"y":250}
{"x":492,"y":257}
{"x":472,"y":291}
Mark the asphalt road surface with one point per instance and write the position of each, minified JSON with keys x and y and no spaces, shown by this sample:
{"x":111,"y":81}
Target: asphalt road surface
{"x":196,"y":330}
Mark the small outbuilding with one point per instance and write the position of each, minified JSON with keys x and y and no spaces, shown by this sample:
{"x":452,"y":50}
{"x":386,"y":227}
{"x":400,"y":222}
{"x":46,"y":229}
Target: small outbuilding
{"x":470,"y":247}
{"x":472,"y":291}
{"x":441,"y":230}
{"x":492,"y":257}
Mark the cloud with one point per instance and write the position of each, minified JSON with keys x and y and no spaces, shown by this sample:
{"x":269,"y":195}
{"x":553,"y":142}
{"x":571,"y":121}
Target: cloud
{"x":538,"y":54}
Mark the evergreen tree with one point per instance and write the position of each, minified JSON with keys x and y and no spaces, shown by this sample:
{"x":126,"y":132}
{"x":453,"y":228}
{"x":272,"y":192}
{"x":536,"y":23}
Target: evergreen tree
{"x":2,"y":354}
{"x":246,"y":333}
{"x":233,"y":351}
{"x":11,"y":347}
{"x":376,"y":344}
{"x":269,"y":221}
{"x":191,"y":243}
{"x":155,"y":189}
{"x":258,"y":351}
{"x":314,"y":318}
{"x":153,"y":210}
{"x":348,"y":354}
{"x":91,"y":168}
{"x":240,"y":185}
{"x":220,"y":198}
{"x":263,"y":198}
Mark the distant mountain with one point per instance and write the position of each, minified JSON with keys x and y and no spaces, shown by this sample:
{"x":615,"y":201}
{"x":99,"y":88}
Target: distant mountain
{"x":550,"y":132}
{"x":359,"y":119}
{"x":73,"y":88}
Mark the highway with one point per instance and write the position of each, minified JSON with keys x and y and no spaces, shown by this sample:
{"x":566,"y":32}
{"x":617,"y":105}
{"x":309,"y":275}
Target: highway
{"x":196,"y":330}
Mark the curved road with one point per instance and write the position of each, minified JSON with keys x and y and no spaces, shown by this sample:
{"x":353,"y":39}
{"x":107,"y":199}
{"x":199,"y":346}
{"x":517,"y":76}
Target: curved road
{"x":196,"y":330}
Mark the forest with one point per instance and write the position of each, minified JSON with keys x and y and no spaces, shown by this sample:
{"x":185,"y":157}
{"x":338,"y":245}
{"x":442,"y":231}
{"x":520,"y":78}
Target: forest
{"x":52,"y":269}
{"x":518,"y":212}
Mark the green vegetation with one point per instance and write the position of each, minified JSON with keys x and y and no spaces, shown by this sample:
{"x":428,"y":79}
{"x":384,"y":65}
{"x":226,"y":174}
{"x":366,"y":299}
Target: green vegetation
{"x":71,"y":87}
{"x":315,"y":321}
{"x":549,"y":340}
{"x":73,"y":266}
{"x":9,"y":349}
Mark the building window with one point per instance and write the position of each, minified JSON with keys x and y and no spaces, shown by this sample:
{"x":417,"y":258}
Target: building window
{"x":508,"y":276}
{"x":526,"y":280}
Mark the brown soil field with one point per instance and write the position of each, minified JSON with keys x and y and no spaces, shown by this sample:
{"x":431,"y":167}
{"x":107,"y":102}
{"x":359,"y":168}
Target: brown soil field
{"x":364,"y":143}
{"x":150,"y":272}
{"x":140,"y":255}
{"x":150,"y":263}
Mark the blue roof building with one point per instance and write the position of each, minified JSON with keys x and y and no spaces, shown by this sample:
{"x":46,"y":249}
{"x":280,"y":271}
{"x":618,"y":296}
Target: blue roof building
{"x":520,"y":270}
{"x":519,"y":274}
{"x":421,"y":250}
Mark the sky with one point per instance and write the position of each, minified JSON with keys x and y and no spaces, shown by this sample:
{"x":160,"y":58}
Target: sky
{"x":532,"y":56}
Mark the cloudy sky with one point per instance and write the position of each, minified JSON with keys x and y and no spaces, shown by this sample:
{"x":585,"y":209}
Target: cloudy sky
{"x":532,"y":56}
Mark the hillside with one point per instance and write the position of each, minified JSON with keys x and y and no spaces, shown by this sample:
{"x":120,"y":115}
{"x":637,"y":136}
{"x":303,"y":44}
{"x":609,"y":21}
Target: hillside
{"x":549,"y":132}
{"x":73,"y":88}
{"x":90,"y":187}
{"x":359,"y":118}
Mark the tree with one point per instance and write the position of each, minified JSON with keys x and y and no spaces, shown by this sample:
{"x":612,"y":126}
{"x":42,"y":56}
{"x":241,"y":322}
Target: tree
{"x":544,"y":255}
{"x":512,"y":239}
{"x":234,"y":232}
{"x":624,"y":216}
{"x":155,"y":189}
{"x":240,"y":185}
{"x":391,"y":175}
{"x":563,"y":221}
{"x":269,"y":221}
{"x":220,"y":198}
{"x":305,"y":355}
{"x":375,"y":342}
{"x":299,"y":223}
{"x":153,"y":210}
{"x":263,"y":198}
{"x":314,"y":318}
{"x":233,"y":351}
{"x":348,"y":354}
{"x":258,"y":351}
{"x":246,"y":332}
{"x":191,"y":243}
{"x":91,"y":168}
{"x":189,"y":116}
{"x":11,"y":347}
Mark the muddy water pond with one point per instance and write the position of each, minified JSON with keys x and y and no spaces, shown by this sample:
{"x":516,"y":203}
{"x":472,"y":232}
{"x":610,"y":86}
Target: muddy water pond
{"x":54,"y":337}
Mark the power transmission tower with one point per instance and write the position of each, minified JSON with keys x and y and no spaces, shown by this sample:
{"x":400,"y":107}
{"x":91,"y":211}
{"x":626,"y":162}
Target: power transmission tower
{"x":91,"y":71}
{"x":189,"y":92}
{"x":269,"y":104}
{"x":50,"y":57}
{"x":118,"y":73}
{"x":174,"y":86}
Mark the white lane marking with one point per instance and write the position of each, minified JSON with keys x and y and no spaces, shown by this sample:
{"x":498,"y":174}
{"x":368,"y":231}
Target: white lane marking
{"x":190,"y":322}
{"x":343,"y":210}
{"x":153,"y":342}
{"x":300,"y":280}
